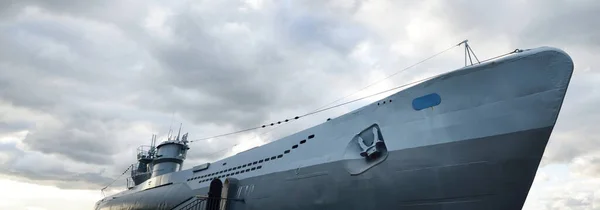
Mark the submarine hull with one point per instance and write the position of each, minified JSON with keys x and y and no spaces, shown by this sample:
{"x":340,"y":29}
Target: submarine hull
{"x":469,"y":139}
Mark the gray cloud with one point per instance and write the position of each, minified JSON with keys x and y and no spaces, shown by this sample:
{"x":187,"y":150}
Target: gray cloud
{"x":6,"y":127}
{"x":526,"y":23}
{"x":239,"y":76}
{"x":31,"y":166}
{"x":571,"y":26}
{"x":81,"y":138}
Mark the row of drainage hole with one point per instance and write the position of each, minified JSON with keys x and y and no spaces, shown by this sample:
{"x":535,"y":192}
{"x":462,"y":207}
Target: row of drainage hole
{"x":383,"y":102}
{"x":212,"y":176}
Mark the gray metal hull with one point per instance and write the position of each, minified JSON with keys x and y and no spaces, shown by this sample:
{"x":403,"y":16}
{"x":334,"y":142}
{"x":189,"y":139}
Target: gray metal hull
{"x":479,"y":149}
{"x":487,"y":173}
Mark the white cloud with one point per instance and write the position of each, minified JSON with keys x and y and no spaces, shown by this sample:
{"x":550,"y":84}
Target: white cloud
{"x":559,"y":187}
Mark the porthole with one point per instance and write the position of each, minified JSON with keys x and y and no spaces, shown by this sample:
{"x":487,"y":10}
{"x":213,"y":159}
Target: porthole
{"x":311,"y":136}
{"x":259,"y":167}
{"x":253,"y":168}
{"x":279,"y":156}
{"x":287,"y":151}
{"x":295,"y":146}
{"x":260,"y":161}
{"x":255,"y":162}
{"x":303,"y":141}
{"x":273,"y":158}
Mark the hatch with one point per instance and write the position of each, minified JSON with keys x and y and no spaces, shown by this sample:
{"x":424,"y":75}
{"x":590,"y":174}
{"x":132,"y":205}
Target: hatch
{"x":366,"y":149}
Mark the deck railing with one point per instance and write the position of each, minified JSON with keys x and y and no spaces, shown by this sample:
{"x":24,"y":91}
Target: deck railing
{"x":201,"y":202}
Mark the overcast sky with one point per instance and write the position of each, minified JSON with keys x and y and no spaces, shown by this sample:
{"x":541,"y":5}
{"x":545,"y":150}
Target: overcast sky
{"x":83,"y":83}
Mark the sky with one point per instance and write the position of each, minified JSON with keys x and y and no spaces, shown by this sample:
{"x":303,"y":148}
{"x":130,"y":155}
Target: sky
{"x":84,"y":83}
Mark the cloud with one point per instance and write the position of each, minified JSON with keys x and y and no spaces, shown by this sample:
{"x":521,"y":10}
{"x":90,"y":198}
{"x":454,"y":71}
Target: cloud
{"x":237,"y":70}
{"x":559,"y":187}
{"x":43,"y":168}
{"x":587,"y":165}
{"x":553,"y":23}
{"x":14,"y":126}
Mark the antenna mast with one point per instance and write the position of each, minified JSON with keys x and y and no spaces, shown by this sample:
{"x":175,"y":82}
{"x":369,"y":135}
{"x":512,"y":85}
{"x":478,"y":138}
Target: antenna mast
{"x":468,"y":52}
{"x":170,"y":127}
{"x":153,"y":142}
{"x":178,"y":133}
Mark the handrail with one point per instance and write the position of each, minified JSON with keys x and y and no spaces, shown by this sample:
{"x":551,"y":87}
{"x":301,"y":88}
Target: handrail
{"x":182,"y":202}
{"x":193,"y":204}
{"x":231,"y":199}
{"x":200,"y":199}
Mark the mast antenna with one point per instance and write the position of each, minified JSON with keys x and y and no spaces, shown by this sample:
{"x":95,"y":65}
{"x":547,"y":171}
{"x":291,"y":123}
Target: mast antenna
{"x":468,"y":52}
{"x":178,"y":133}
{"x":170,"y":127}
{"x":153,"y":143}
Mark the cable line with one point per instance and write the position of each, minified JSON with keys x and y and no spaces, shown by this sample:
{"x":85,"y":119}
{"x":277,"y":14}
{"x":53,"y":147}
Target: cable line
{"x":391,"y":75}
{"x":310,"y":113}
{"x":325,"y":107}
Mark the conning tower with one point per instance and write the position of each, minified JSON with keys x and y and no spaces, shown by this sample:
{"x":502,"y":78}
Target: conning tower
{"x":145,"y":156}
{"x":170,"y":155}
